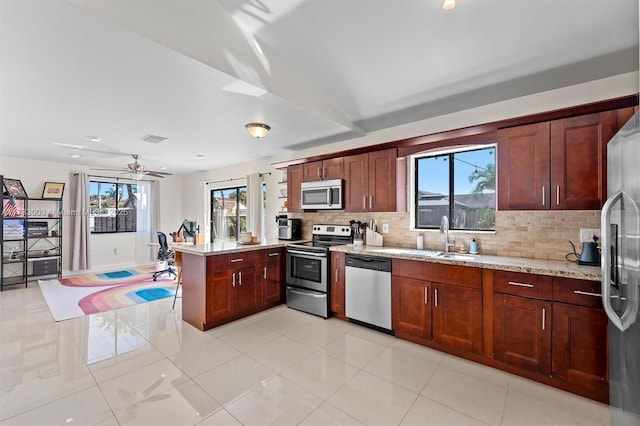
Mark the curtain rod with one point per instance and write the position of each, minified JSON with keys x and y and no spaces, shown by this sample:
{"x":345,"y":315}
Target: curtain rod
{"x":232,"y":179}
{"x":116,"y":178}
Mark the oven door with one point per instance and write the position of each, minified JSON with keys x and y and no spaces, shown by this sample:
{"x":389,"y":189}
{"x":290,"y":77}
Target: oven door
{"x":307,"y":270}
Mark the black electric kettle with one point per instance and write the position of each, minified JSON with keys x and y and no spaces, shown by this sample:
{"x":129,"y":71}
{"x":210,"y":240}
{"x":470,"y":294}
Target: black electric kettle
{"x":590,"y":254}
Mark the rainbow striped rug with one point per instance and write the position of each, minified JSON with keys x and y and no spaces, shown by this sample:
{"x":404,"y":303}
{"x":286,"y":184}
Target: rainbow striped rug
{"x":91,"y":293}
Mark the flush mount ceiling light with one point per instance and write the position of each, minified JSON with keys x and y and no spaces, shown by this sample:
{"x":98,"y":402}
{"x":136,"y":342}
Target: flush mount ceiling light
{"x":257,"y":130}
{"x":448,"y":4}
{"x":94,"y":138}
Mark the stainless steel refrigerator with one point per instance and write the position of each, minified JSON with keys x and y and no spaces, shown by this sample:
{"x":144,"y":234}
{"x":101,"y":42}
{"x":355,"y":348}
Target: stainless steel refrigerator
{"x":621,"y":272}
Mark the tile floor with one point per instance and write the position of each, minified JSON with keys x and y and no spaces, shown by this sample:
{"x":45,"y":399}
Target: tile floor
{"x":143,"y":365}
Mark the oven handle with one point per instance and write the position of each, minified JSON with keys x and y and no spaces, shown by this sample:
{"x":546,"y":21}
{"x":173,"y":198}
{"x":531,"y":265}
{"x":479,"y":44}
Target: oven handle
{"x":306,"y":253}
{"x":306,"y":293}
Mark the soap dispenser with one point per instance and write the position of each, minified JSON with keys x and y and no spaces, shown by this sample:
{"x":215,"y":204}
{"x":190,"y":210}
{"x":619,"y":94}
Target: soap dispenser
{"x":473,"y":247}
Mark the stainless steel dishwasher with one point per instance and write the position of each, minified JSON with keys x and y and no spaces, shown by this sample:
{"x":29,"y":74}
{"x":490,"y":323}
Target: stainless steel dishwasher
{"x":367,"y":282}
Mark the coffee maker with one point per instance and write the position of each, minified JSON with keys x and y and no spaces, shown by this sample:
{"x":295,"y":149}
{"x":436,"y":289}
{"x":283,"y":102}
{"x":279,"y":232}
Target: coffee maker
{"x":289,"y":229}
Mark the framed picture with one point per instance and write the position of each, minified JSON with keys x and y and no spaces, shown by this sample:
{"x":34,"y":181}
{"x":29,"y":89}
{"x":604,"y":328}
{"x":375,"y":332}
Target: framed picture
{"x":53,"y":190}
{"x":14,"y":188}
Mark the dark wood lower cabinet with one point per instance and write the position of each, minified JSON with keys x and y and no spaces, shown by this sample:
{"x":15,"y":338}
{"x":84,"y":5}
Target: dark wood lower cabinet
{"x":336,"y":287}
{"x":457,"y":317}
{"x":411,"y":314}
{"x":220,"y":297}
{"x":247,"y":290}
{"x":580,"y":347}
{"x":222,"y":288}
{"x":522,"y":332}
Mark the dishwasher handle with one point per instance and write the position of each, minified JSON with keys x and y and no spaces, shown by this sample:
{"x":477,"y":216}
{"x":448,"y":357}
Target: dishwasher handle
{"x":381,"y":264}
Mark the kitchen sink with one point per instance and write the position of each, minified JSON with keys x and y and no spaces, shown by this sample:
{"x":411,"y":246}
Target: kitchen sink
{"x":456,"y":256}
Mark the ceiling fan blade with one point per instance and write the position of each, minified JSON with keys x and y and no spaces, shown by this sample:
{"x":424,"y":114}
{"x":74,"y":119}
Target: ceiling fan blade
{"x":158,"y":173}
{"x":154,"y":175}
{"x":110,"y":170}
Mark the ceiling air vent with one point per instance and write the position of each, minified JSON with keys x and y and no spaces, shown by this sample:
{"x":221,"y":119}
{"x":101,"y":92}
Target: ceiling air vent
{"x":153,"y":139}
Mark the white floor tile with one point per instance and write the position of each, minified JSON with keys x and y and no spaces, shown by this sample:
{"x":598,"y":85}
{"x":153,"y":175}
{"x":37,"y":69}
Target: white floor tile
{"x":147,"y":366}
{"x":30,"y":394}
{"x":320,"y":374}
{"x":196,"y":361}
{"x":372,"y":400}
{"x":184,"y":404}
{"x":147,"y":384}
{"x":85,"y":407}
{"x":232,"y":379}
{"x":429,"y":413}
{"x":327,"y":414}
{"x":276,"y":401}
{"x":469,"y":394}
{"x":281,"y":353}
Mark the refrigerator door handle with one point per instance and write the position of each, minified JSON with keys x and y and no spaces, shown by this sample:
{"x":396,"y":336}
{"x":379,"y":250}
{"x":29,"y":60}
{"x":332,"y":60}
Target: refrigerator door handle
{"x":629,"y":316}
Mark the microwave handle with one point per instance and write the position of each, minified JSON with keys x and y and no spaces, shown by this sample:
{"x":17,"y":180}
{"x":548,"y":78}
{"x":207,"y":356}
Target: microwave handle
{"x":330,"y":196}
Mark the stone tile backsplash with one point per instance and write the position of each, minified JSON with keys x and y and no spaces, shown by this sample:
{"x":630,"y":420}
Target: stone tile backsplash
{"x":529,"y":234}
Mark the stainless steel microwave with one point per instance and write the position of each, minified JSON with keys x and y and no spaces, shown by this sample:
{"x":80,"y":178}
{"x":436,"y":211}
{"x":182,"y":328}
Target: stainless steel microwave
{"x":322,"y":195}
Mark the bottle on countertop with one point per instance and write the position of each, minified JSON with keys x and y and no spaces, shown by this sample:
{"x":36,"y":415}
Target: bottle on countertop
{"x":473,"y":247}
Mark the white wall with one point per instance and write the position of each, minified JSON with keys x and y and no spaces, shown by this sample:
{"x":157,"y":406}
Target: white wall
{"x":609,"y":88}
{"x":108,"y":251}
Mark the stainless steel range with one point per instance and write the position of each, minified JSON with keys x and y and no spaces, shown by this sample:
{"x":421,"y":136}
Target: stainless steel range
{"x":308,"y":269}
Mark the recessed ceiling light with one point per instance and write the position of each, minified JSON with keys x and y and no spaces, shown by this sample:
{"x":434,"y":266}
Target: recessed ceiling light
{"x":94,"y":138}
{"x":200,"y":157}
{"x":163,"y":168}
{"x":75,"y":155}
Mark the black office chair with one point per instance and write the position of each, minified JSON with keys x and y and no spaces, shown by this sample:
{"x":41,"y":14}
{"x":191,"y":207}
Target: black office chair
{"x":165,"y":255}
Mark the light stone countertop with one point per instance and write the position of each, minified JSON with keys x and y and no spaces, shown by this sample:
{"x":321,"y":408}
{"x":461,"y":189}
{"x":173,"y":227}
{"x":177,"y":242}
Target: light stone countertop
{"x":554,"y":268}
{"x":211,"y":249}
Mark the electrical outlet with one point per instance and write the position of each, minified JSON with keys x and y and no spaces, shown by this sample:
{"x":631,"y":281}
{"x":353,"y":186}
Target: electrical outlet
{"x":586,"y":234}
{"x":115,"y":251}
{"x":385,"y":228}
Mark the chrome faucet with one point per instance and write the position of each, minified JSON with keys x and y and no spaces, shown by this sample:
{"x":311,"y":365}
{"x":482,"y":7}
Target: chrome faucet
{"x":444,"y":228}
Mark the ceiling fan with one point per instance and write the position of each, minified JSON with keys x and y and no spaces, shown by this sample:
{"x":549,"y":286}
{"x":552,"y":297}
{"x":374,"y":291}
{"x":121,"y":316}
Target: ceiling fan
{"x":136,"y":170}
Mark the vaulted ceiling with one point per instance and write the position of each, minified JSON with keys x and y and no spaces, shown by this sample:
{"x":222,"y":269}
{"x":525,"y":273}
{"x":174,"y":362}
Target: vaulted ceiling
{"x":196,"y":71}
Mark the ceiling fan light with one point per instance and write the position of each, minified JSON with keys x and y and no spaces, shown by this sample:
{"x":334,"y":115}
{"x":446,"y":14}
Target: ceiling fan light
{"x":257,"y":130}
{"x":448,"y":4}
{"x":136,"y":175}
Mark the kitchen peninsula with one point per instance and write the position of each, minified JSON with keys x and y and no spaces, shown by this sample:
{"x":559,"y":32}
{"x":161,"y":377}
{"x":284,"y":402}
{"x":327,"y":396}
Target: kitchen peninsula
{"x":222,"y":282}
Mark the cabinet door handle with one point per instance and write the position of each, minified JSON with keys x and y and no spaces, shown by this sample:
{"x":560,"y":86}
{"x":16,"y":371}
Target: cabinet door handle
{"x":544,"y":318}
{"x":237,"y":260}
{"x":364,"y":203}
{"x":557,"y":195}
{"x":274,"y":254}
{"x":239,"y":278}
{"x":233,"y":279}
{"x":520,"y":284}
{"x":435,"y":296}
{"x":264,"y":273}
{"x":318,"y":172}
{"x":324,"y":174}
{"x":587,"y":293}
{"x":426,"y":295}
{"x":370,"y":202}
{"x":543,"y":195}
{"x":336,"y":275}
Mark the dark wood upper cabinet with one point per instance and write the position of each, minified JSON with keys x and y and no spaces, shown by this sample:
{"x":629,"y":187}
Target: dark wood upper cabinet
{"x":559,"y":164}
{"x":332,"y":168}
{"x":370,"y":181}
{"x":294,"y":183}
{"x":523,"y":167}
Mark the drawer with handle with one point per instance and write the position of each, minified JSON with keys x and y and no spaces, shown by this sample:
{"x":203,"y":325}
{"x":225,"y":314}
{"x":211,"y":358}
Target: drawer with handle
{"x":521,"y":284}
{"x":577,"y":292}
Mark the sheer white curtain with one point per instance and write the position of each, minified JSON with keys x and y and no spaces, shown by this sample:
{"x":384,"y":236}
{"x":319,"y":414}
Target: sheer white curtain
{"x":145,"y":227}
{"x":79,"y":221}
{"x":255,"y":205}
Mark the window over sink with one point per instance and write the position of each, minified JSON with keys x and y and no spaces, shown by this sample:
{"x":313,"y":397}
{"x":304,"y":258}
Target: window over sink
{"x":459,"y":184}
